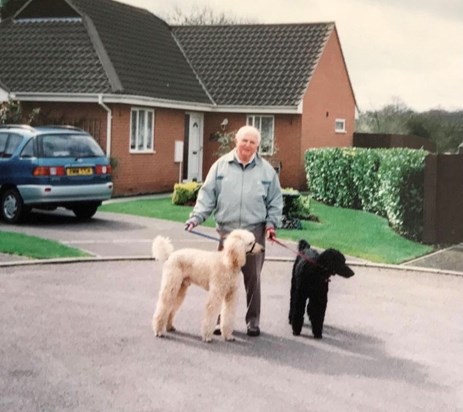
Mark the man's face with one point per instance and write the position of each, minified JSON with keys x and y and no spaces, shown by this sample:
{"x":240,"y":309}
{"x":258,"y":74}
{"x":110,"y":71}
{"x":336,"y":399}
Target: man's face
{"x":246,"y":147}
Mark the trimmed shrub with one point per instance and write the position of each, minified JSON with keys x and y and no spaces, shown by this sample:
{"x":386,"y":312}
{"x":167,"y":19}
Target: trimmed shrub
{"x":295,"y":204}
{"x":295,"y":207}
{"x":185,"y":193}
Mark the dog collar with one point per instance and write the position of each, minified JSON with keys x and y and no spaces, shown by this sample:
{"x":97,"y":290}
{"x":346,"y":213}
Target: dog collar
{"x":253,"y":245}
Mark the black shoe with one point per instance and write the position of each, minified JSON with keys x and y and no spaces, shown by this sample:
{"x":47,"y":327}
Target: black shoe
{"x":217,"y":331}
{"x":253,"y":331}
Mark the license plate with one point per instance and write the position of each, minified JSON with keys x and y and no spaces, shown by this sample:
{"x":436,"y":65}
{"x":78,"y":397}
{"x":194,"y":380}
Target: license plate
{"x":79,"y":171}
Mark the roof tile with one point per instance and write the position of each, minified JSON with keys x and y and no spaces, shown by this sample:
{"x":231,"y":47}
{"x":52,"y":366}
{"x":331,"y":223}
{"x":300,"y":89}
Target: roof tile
{"x":115,"y":47}
{"x":27,"y":65}
{"x":267,"y":65}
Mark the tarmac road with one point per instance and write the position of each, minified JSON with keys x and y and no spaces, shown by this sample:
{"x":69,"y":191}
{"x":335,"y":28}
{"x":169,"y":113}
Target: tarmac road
{"x":77,"y":337}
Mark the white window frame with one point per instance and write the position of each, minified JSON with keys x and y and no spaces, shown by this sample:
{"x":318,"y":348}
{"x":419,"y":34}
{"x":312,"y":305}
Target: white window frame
{"x":340,"y":125}
{"x":256,"y":121}
{"x":143,"y":141}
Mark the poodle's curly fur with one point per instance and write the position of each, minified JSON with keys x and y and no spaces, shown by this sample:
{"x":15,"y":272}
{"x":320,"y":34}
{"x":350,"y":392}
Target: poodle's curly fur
{"x":216,"y":272}
{"x":309,"y":284}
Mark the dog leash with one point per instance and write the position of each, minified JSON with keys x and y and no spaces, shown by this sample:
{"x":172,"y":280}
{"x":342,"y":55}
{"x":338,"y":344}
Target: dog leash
{"x":306,"y":258}
{"x":300,"y":254}
{"x":275,"y":240}
{"x":204,"y":235}
{"x":217,"y":239}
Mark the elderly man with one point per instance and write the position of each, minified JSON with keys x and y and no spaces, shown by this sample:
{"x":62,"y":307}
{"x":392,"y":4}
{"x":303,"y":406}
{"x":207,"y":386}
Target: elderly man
{"x":243,"y":191}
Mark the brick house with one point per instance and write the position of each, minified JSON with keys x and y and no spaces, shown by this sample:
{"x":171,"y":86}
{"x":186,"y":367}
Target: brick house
{"x":154,"y":94}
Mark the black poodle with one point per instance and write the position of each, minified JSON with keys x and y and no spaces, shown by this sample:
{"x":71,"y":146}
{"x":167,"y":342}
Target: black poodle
{"x":310,"y":277}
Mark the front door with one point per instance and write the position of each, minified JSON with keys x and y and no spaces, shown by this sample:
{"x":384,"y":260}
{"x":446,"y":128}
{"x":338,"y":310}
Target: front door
{"x":194,"y":151}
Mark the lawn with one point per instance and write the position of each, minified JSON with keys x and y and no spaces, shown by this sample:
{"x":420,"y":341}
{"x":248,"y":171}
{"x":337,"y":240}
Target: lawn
{"x":35,"y":247}
{"x":355,"y":233}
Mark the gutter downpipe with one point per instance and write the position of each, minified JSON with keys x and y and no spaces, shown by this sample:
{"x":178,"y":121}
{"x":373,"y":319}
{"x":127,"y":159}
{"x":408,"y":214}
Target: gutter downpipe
{"x":109,"y":118}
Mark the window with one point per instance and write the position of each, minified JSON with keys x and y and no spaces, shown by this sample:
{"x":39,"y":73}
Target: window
{"x":3,"y":139}
{"x":68,"y":145}
{"x":28,"y":150}
{"x":142,"y":130}
{"x":8,"y":144}
{"x":340,"y":126}
{"x":265,"y":124}
{"x":90,"y":125}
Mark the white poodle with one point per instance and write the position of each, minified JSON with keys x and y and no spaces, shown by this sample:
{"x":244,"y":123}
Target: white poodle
{"x":217,"y":272}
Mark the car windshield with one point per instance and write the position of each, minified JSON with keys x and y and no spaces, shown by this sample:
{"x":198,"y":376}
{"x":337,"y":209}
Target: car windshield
{"x":69,"y":145}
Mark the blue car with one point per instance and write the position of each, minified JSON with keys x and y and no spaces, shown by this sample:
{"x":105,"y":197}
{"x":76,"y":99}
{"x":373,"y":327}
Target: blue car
{"x":49,"y":167}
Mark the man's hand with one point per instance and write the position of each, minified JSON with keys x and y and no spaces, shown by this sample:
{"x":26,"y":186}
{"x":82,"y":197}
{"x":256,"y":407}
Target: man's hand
{"x":190,"y":224}
{"x":271,"y":234}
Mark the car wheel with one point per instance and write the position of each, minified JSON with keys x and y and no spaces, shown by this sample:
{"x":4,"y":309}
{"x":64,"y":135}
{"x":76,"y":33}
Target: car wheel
{"x":12,"y":206}
{"x":85,"y":211}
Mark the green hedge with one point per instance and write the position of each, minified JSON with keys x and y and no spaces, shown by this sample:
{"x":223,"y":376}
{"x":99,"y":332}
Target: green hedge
{"x":388,"y":182}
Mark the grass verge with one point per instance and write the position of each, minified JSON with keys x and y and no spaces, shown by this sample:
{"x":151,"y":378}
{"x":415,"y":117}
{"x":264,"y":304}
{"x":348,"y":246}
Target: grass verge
{"x":35,"y":247}
{"x":355,"y":233}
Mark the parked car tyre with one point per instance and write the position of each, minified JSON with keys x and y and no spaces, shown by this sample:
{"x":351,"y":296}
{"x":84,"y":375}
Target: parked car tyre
{"x":85,"y":210}
{"x":12,"y":206}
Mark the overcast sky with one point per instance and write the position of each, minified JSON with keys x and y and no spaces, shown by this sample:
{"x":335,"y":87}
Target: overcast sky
{"x":395,"y":50}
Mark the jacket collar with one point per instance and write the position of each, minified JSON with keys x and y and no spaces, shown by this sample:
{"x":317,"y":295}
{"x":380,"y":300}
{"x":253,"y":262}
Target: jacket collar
{"x":231,"y":157}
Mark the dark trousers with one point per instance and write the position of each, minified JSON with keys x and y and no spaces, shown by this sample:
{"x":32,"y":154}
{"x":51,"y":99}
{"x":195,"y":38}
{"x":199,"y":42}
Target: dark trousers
{"x":251,"y":275}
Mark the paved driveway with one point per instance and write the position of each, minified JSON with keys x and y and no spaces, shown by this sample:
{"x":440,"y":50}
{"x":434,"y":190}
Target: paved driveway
{"x":116,"y":235}
{"x":77,"y":337}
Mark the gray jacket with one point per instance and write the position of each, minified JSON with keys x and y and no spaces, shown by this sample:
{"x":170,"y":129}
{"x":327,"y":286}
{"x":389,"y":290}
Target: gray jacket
{"x":240,"y":197}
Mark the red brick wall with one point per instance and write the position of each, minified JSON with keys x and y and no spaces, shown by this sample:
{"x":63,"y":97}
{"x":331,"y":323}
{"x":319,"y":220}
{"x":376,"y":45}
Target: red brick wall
{"x":134,"y":173}
{"x":212,"y":122}
{"x":287,"y":140}
{"x":288,"y":144}
{"x":146,"y":172}
{"x":329,"y":96}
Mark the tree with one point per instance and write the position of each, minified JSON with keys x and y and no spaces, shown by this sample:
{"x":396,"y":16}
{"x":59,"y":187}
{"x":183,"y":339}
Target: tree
{"x":200,"y":16}
{"x":443,"y":128}
{"x":11,"y":112}
{"x":391,"y":119}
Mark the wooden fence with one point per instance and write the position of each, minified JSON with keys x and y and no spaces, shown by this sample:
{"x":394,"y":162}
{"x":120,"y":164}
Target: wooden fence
{"x":443,"y":186}
{"x":378,"y":140}
{"x":443,"y":199}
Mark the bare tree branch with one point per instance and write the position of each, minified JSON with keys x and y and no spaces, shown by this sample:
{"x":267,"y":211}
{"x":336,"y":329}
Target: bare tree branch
{"x":201,"y":16}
